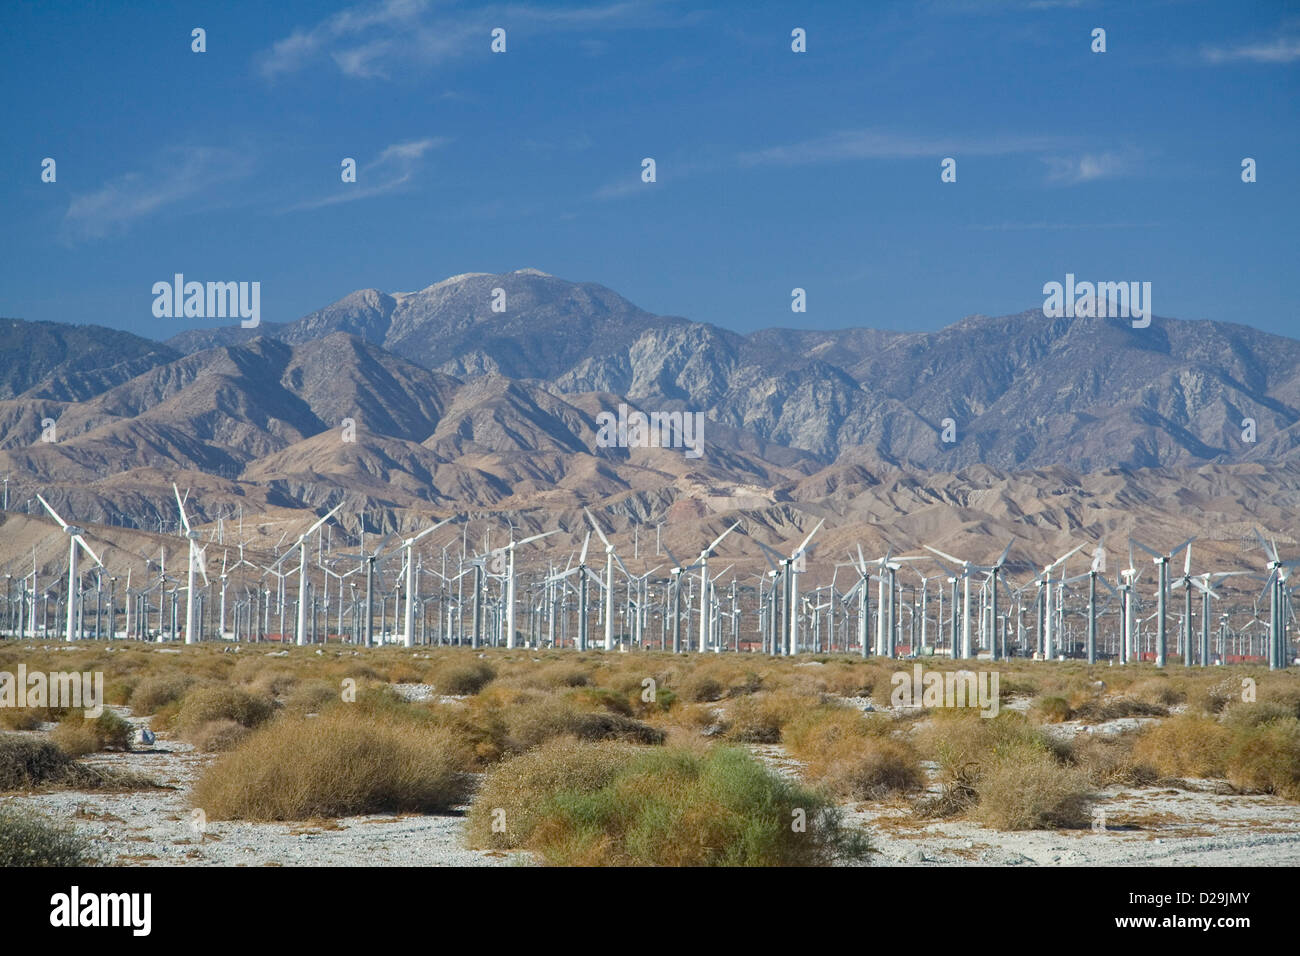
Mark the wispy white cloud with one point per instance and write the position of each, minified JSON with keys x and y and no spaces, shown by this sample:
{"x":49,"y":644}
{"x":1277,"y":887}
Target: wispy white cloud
{"x":378,"y":40}
{"x":389,"y":172}
{"x":1278,"y":50}
{"x":1085,"y":168}
{"x":180,"y":174}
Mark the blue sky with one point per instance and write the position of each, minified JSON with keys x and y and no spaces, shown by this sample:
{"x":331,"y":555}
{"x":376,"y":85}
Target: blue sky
{"x":775,"y":169}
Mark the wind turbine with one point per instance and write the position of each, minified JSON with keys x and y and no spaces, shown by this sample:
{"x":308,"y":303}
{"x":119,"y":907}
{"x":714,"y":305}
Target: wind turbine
{"x":1049,"y":626}
{"x":581,"y":570}
{"x":706,"y":609}
{"x":967,"y":650}
{"x":372,"y":559}
{"x":510,"y":580}
{"x":408,"y":545}
{"x":608,"y":601}
{"x":992,"y":570}
{"x":75,"y":541}
{"x":1277,"y":599}
{"x":196,"y":559}
{"x":675,"y":585}
{"x":301,"y":637}
{"x":1162,"y":596}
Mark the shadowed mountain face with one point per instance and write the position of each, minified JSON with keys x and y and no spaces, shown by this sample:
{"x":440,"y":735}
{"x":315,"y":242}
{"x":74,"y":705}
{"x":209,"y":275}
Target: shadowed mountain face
{"x":432,"y":399}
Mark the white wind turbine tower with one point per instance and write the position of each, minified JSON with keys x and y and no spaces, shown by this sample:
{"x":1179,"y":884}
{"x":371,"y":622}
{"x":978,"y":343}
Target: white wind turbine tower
{"x":967,"y":651}
{"x":510,"y":580}
{"x":993,"y":570}
{"x":1277,"y":600}
{"x":1128,"y":609}
{"x":607,"y":602}
{"x":581,"y":570}
{"x":75,"y":541}
{"x":706,"y":608}
{"x":408,"y":546}
{"x":196,"y":562}
{"x":864,"y":601}
{"x":1187,"y":582}
{"x":794,"y":567}
{"x":1098,"y":568}
{"x":301,"y":636}
{"x":675,"y":585}
{"x":1049,"y":629}
{"x":887,"y":614}
{"x":1162,"y":595}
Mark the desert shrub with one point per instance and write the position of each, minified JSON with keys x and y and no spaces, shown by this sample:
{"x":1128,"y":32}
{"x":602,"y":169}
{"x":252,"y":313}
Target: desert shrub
{"x":28,"y":838}
{"x":1243,"y":716}
{"x":310,"y":697}
{"x":27,"y":763}
{"x":1213,"y":698}
{"x":759,"y":718}
{"x":1189,"y":745}
{"x":463,"y":680}
{"x":274,"y":682}
{"x":30,"y":764}
{"x":1051,"y":709}
{"x":21,"y":718}
{"x":853,"y":754}
{"x":1265,"y":758}
{"x":77,"y":735}
{"x":1156,"y":690}
{"x":119,"y":689}
{"x":604,"y":698}
{"x":1032,"y":792}
{"x":340,"y":763}
{"x":203,"y":705}
{"x":751,"y":683}
{"x":1098,"y":709}
{"x":1285,"y":695}
{"x":981,"y":761}
{"x":873,"y":768}
{"x":218,"y":736}
{"x":1108,"y":759}
{"x":539,"y":719}
{"x":701,"y":688}
{"x":154,"y":692}
{"x":606,"y":804}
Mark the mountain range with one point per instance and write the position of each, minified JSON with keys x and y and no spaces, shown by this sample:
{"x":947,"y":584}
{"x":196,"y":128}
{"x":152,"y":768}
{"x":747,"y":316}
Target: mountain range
{"x":432,"y":402}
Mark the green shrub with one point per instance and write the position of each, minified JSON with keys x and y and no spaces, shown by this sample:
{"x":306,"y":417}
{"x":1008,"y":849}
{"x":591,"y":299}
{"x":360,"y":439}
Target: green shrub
{"x":78,"y":735}
{"x":28,"y":838}
{"x":603,"y":804}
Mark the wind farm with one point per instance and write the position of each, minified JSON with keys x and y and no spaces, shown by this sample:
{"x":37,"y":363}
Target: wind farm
{"x":622,"y":435}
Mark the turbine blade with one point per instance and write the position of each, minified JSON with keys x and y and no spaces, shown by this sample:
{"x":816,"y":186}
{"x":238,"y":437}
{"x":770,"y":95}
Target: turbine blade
{"x":718,"y":540}
{"x":85,"y":547}
{"x":946,"y":557}
{"x":54,"y":514}
{"x":803,"y":546}
{"x":180,"y":506}
{"x":592,"y":519}
{"x":1154,"y":554}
